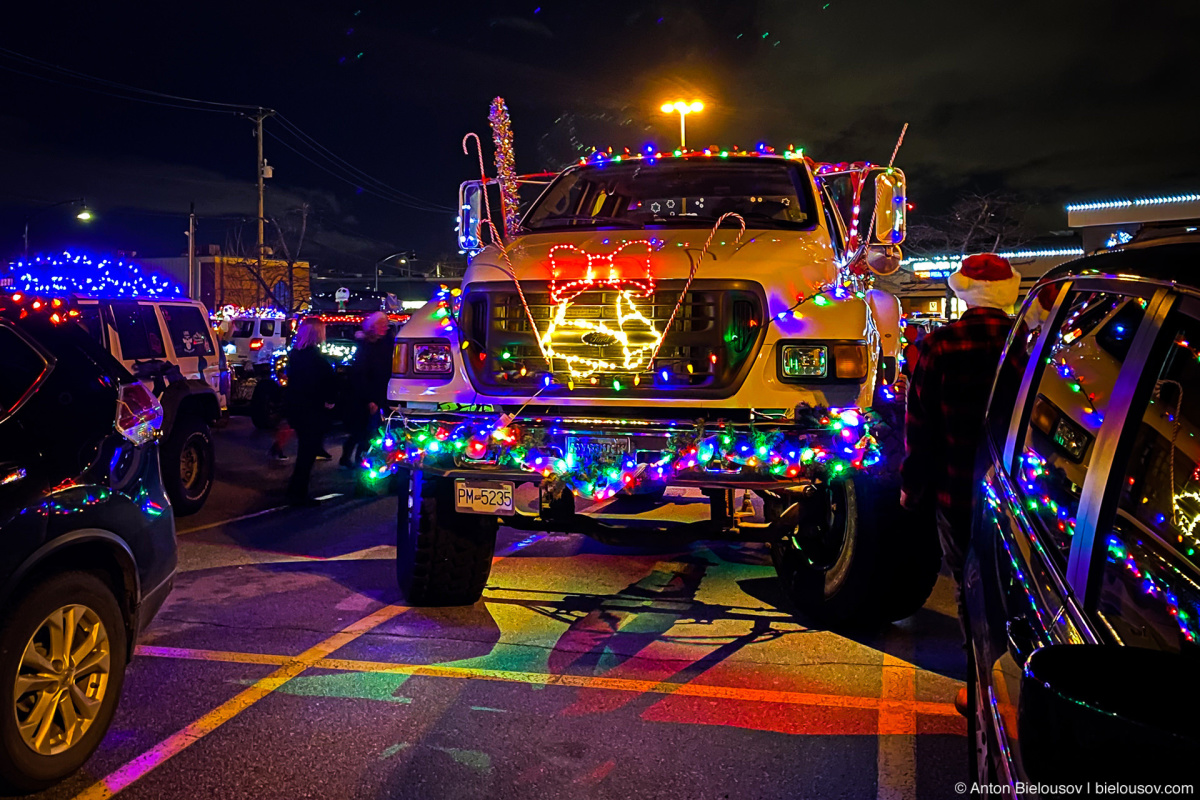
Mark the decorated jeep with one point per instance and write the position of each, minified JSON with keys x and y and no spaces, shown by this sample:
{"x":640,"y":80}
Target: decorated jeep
{"x":703,"y":320}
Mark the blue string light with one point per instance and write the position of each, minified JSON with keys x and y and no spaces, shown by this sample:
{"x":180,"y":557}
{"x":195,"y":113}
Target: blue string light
{"x":75,"y":273}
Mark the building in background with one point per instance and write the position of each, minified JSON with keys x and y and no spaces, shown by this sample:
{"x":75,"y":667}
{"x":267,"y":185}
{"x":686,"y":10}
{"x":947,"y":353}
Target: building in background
{"x":1108,"y":223}
{"x":235,"y":280}
{"x":921,"y":282}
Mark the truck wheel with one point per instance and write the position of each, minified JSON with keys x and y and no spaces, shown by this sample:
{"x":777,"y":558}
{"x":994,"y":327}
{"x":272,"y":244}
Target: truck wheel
{"x":266,"y":405}
{"x":187,"y":464}
{"x":62,"y":663}
{"x":443,"y":558}
{"x":869,"y":564}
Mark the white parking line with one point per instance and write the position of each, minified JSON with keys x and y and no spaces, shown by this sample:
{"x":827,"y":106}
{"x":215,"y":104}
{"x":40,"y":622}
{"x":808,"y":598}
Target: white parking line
{"x":247,"y":516}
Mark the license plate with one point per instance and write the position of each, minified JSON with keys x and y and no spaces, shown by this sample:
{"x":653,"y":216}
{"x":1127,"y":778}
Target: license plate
{"x":598,"y":448}
{"x":483,"y":497}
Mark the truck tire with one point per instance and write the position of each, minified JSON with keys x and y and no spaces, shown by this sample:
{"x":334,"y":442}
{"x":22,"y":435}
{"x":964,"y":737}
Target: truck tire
{"x":878,"y":566}
{"x":266,"y":405}
{"x":27,"y":648}
{"x":443,"y":558}
{"x":188,"y":464}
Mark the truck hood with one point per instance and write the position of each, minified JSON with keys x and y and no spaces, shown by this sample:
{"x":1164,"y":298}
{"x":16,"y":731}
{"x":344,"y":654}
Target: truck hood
{"x":786,"y":262}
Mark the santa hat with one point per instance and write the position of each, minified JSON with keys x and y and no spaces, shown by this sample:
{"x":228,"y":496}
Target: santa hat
{"x":986,"y":279}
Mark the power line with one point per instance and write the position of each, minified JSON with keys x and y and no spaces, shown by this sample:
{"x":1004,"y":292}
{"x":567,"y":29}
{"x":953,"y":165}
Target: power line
{"x":313,"y":143}
{"x":359,"y":179}
{"x":212,"y":105}
{"x":358,"y":184}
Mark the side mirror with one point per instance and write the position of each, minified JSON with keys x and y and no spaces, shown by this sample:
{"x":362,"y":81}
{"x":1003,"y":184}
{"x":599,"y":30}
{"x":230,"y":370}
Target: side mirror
{"x":470,"y":213}
{"x":891,"y":207}
{"x":1105,"y":712}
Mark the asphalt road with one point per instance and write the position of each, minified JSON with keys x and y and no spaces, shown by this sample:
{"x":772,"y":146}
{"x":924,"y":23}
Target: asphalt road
{"x":284,"y":665}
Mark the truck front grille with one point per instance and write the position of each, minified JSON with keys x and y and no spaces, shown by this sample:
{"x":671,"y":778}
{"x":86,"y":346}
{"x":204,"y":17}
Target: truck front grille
{"x":706,"y":352}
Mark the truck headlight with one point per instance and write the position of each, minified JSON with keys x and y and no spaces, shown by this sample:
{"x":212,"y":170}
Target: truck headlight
{"x":432,"y":359}
{"x":823,"y":361}
{"x":804,"y":360}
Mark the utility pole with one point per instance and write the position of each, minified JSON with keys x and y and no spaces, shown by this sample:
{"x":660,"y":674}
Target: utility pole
{"x":262,"y":174}
{"x":193,"y":278}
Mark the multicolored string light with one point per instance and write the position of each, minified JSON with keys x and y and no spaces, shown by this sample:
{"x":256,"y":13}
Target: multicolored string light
{"x":826,"y":443}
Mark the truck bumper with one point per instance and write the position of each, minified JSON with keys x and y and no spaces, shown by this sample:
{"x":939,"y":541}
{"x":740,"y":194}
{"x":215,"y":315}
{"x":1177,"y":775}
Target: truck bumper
{"x":598,"y":458}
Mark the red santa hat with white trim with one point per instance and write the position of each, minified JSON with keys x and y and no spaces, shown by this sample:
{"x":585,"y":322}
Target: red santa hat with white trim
{"x":987,"y":280}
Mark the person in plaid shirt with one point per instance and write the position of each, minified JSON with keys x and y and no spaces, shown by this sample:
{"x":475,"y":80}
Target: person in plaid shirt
{"x":947,"y":398}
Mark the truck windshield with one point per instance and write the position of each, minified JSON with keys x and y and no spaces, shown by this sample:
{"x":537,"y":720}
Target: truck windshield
{"x":768,"y":193}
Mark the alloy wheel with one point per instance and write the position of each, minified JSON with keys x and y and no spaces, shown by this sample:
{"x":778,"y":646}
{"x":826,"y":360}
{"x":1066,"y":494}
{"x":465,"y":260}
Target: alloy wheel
{"x":62,"y":679}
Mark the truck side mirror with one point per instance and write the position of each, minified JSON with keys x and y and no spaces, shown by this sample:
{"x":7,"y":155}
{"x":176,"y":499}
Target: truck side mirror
{"x":1108,"y":712}
{"x":470,"y":213}
{"x":891,"y":207}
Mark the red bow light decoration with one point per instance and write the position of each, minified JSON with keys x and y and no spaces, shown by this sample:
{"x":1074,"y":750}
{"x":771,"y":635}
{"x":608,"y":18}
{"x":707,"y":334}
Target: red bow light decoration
{"x":576,"y":271}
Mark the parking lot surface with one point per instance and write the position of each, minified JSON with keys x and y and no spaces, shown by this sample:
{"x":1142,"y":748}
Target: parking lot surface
{"x":285,"y":665}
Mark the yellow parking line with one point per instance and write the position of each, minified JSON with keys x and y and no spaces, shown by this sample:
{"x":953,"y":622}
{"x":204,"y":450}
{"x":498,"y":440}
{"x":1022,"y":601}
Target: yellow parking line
{"x":896,"y":775}
{"x":904,"y":707}
{"x":181,"y":740}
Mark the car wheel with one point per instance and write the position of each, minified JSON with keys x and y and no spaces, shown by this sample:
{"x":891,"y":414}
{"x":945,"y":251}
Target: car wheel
{"x":62,"y":664}
{"x":443,"y":558}
{"x":188,"y":465}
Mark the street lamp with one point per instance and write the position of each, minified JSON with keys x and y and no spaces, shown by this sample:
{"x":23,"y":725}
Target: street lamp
{"x":684,"y":109}
{"x":84,"y":215}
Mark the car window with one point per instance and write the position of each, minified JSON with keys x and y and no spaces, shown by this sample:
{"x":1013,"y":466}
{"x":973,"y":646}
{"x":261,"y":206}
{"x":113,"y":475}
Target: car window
{"x":22,"y":367}
{"x":266,"y":327}
{"x":1028,"y":329}
{"x":1150,"y":583}
{"x":1068,"y":403}
{"x":89,"y":317}
{"x":189,"y":331}
{"x":138,"y":331}
{"x":243,"y":328}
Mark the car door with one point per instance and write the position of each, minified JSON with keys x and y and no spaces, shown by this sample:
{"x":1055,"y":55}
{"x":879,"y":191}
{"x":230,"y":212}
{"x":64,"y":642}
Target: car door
{"x":1143,"y":568}
{"x":1038,"y":489}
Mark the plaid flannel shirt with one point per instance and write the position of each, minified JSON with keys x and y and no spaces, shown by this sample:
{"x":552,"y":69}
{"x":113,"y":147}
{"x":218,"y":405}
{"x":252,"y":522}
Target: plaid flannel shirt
{"x":947,"y":398}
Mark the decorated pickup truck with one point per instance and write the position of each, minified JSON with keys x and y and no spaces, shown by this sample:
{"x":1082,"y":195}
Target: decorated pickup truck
{"x":703,"y":320}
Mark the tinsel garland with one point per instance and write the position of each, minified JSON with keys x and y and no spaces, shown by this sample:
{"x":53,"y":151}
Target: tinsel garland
{"x":506,"y":170}
{"x":819,"y":443}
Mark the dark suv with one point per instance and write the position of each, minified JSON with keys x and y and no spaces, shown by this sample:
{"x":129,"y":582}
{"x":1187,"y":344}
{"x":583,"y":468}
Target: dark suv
{"x":89,"y":537}
{"x":1083,"y":580}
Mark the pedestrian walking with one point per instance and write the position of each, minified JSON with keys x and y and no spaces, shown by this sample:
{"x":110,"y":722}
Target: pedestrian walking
{"x":308,"y":399}
{"x":369,"y":375}
{"x":947,"y":399}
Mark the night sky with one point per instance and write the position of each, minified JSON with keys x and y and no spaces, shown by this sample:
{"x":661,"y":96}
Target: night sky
{"x":1056,"y":101}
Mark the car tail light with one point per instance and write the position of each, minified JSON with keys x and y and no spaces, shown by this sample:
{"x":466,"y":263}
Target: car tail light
{"x":139,"y":414}
{"x":432,"y":359}
{"x":400,"y":359}
{"x":850,"y":361}
{"x":256,"y":343}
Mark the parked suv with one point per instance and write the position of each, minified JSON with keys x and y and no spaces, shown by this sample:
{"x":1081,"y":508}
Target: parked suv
{"x":1083,"y":580}
{"x":89,"y":537}
{"x":168,"y":344}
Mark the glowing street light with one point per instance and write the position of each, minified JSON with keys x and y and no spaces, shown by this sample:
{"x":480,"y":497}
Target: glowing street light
{"x":85,"y":215}
{"x":684,"y":109}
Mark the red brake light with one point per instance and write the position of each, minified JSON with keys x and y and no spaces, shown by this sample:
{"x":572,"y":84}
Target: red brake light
{"x":256,"y":343}
{"x":139,"y":414}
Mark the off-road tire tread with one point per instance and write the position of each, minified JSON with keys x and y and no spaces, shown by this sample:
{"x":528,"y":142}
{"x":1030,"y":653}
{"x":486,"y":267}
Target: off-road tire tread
{"x":443,"y":558}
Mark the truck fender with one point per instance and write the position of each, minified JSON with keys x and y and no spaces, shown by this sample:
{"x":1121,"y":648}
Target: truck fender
{"x":196,"y":395}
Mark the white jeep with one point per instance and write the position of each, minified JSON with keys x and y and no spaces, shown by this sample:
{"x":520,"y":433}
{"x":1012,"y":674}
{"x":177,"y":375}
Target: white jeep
{"x":632,"y":336}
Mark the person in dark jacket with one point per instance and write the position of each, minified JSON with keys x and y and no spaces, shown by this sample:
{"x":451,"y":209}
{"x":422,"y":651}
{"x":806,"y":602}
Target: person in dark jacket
{"x":369,"y":376}
{"x":308,"y":398}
